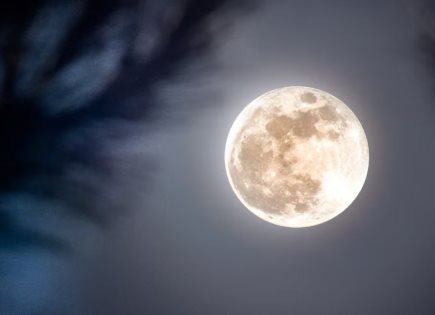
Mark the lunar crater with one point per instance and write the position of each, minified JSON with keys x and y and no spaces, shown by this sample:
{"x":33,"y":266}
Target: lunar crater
{"x":308,"y":98}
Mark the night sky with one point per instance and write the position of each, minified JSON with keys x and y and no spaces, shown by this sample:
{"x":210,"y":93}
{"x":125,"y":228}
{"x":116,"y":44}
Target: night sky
{"x":184,"y":244}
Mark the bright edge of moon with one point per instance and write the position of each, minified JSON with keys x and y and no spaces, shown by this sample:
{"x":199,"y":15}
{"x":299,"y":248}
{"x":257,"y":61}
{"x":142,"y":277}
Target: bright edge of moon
{"x":296,"y":156}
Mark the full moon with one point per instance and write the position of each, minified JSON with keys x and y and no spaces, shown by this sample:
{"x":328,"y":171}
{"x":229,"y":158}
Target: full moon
{"x":296,"y":156}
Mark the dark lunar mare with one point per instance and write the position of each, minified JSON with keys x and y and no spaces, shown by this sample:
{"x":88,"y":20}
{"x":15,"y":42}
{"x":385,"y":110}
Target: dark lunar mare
{"x":78,"y":80}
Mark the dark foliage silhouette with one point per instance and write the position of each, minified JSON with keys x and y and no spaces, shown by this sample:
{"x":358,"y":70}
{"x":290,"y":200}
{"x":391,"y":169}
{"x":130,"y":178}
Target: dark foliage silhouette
{"x":78,"y":78}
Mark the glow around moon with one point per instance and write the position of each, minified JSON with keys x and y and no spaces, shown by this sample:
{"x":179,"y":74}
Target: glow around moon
{"x":297,"y":156}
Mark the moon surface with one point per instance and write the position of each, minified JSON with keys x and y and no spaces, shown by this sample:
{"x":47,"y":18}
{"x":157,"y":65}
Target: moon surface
{"x":297,"y":156}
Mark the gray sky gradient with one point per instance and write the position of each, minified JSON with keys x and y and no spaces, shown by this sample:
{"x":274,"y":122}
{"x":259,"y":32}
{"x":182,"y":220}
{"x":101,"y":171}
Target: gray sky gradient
{"x":194,"y":249}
